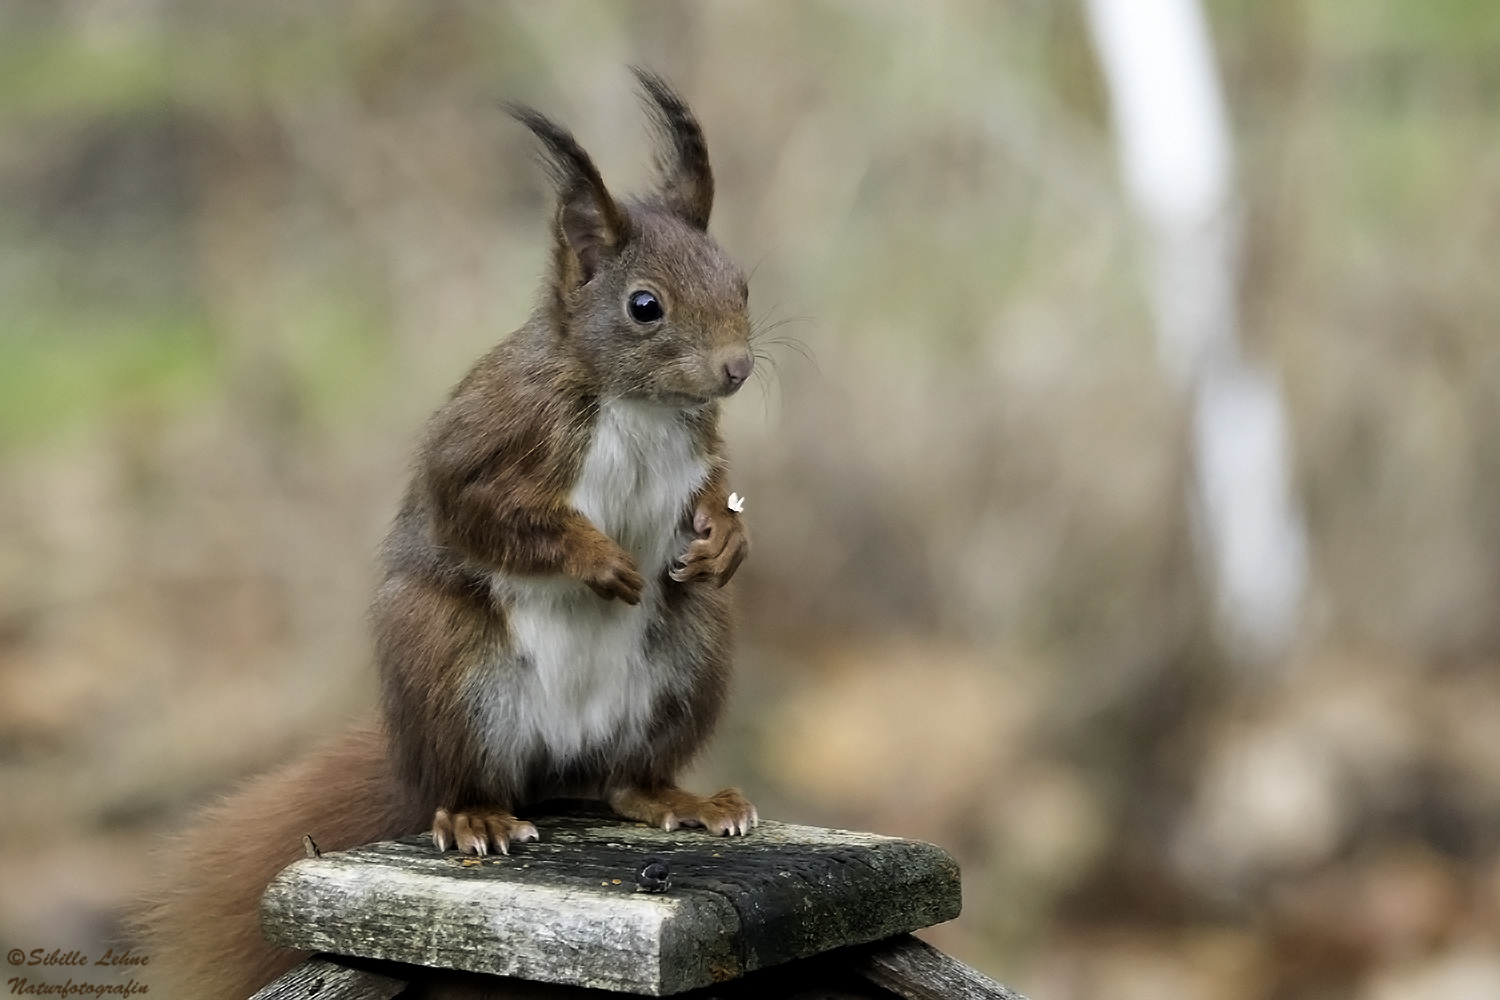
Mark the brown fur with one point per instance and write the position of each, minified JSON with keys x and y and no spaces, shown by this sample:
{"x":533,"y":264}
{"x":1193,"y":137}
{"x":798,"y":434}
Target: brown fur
{"x":204,"y":919}
{"x":489,"y":503}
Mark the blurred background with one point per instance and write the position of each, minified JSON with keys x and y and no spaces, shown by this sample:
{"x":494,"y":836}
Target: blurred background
{"x":245,"y":249}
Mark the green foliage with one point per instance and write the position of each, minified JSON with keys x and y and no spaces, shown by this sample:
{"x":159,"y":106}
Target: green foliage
{"x":54,"y":78}
{"x":68,"y":368}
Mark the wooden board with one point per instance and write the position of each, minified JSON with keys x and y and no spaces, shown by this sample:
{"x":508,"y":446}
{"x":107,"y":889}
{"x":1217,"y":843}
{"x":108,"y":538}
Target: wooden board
{"x":326,"y":980}
{"x":899,"y":968}
{"x":567,"y":909}
{"x":915,"y":970}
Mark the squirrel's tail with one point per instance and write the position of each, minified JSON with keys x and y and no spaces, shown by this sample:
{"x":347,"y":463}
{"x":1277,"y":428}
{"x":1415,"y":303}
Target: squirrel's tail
{"x":202,"y":925}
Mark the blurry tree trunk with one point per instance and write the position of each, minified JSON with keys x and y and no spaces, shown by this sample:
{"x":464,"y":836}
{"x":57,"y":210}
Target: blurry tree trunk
{"x":1175,"y":155}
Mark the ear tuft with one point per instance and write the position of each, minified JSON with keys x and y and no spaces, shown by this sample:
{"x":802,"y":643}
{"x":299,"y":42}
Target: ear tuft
{"x":589,"y":221}
{"x":687,"y":181}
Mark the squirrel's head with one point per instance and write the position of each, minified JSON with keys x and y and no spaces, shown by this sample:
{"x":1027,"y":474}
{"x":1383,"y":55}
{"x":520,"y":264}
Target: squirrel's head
{"x":640,"y":292}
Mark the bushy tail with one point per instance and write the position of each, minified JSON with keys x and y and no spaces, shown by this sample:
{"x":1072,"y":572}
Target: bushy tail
{"x":202,"y":926}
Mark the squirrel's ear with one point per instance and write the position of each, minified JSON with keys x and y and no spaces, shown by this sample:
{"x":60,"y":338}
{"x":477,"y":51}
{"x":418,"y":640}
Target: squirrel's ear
{"x":687,"y":181}
{"x":591,"y":226}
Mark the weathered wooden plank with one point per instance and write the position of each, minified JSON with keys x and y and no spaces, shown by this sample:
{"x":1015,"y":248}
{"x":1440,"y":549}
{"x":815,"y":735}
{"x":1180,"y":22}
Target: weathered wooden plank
{"x":567,"y":909}
{"x":915,"y":970}
{"x":327,"y":980}
{"x":842,"y":974}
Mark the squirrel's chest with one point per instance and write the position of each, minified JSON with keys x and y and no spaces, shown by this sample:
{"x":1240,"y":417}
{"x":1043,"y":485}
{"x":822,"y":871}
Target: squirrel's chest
{"x":578,"y":672}
{"x":635,"y":481}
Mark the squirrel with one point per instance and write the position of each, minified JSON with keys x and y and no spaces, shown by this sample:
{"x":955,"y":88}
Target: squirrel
{"x":550,"y":621}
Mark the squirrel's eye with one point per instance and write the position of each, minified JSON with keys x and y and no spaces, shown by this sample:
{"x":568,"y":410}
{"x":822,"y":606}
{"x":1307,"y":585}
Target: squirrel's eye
{"x":644,"y":307}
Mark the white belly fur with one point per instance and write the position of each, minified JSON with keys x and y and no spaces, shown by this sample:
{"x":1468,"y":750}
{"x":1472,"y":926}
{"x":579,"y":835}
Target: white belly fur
{"x":582,"y":679}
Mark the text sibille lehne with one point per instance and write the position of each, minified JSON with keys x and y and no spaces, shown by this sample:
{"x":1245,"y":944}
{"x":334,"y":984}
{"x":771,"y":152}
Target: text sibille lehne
{"x":60,"y":959}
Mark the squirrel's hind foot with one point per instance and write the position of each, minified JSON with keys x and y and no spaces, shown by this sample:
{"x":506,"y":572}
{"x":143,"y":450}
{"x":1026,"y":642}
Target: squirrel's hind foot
{"x":479,"y":831}
{"x":728,"y":813}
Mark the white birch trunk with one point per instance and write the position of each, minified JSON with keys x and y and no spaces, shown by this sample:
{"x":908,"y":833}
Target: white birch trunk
{"x":1175,"y":155}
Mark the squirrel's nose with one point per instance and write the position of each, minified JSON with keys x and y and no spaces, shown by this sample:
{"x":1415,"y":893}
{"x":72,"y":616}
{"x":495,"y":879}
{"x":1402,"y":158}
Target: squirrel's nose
{"x":737,"y":369}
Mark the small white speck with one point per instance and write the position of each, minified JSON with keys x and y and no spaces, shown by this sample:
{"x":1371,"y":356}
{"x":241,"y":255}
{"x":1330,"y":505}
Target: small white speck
{"x":736,"y":503}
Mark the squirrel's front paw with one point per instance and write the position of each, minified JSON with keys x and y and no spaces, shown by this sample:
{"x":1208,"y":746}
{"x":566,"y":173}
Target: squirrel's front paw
{"x":616,"y":576}
{"x":479,"y":831}
{"x":722,"y":544}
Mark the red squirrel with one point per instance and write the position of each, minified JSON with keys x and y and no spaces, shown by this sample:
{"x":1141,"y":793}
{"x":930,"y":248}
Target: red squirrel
{"x":550,"y":622}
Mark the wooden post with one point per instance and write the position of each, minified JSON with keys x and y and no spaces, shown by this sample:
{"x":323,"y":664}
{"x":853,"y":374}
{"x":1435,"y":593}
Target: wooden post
{"x":573,"y":909}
